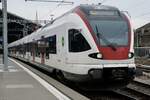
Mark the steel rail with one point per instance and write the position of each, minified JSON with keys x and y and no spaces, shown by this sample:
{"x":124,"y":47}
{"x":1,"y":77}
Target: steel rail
{"x":136,"y":90}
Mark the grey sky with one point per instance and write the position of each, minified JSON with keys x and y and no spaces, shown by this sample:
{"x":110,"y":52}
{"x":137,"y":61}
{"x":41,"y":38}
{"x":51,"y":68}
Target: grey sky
{"x":138,"y":9}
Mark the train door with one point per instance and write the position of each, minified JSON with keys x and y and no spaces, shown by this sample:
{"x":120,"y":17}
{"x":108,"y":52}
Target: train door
{"x":61,"y":49}
{"x":61,"y":45}
{"x":52,"y":51}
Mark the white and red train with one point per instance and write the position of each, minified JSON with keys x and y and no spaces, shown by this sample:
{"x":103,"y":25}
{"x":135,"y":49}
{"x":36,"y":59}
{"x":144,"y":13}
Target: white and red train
{"x":89,"y":43}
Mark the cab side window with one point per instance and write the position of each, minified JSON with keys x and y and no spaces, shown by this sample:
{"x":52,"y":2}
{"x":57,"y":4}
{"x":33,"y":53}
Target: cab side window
{"x":77,"y":42}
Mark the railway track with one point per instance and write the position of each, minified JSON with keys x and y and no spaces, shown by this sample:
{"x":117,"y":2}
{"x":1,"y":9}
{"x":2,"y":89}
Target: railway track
{"x":105,"y":95}
{"x":136,"y":90}
{"x":144,"y":68}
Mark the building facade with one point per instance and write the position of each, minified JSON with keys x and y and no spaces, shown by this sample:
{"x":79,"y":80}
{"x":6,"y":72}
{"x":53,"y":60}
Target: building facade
{"x":142,"y":41}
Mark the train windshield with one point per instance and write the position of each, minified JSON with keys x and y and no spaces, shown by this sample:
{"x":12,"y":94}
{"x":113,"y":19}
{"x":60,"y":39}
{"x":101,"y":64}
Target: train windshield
{"x":111,"y":32}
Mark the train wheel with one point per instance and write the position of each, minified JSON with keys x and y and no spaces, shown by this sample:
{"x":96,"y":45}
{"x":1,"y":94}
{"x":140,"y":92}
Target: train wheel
{"x":61,"y":78}
{"x":60,"y":75}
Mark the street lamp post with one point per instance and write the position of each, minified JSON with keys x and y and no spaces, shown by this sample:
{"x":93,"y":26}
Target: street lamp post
{"x":5,"y":44}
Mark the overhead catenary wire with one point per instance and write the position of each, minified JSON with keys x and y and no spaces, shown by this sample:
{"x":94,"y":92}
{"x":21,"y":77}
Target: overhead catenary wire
{"x":54,"y":9}
{"x":60,"y":2}
{"x":52,"y":1}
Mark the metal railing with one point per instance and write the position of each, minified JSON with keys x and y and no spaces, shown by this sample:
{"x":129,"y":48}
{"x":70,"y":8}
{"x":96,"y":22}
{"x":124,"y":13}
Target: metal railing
{"x":142,"y":52}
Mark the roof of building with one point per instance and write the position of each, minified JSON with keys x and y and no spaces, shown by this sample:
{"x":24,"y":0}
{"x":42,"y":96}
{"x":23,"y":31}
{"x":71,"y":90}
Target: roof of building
{"x":17,"y":26}
{"x":145,"y":28}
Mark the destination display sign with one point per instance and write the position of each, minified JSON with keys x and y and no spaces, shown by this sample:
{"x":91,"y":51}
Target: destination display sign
{"x":103,"y":13}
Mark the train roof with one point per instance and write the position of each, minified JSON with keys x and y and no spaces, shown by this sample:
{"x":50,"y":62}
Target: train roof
{"x":35,"y":35}
{"x":85,"y":8}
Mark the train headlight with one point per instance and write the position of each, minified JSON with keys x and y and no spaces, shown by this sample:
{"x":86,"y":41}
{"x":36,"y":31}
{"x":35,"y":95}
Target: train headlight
{"x":99,"y":55}
{"x":96,"y":55}
{"x":130,"y":55}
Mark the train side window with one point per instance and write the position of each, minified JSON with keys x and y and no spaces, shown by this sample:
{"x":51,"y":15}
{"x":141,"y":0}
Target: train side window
{"x":52,"y":44}
{"x":37,"y":51}
{"x":47,"y":48}
{"x":77,"y":42}
{"x":27,"y":47}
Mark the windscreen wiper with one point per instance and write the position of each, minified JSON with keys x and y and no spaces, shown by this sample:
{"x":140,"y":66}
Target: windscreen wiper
{"x":99,"y":35}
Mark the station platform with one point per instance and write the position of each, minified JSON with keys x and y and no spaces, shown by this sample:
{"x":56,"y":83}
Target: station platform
{"x":19,"y":83}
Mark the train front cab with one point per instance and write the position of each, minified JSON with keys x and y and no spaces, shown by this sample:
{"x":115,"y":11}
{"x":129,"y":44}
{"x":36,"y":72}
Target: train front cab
{"x":82,"y":59}
{"x":113,"y":61}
